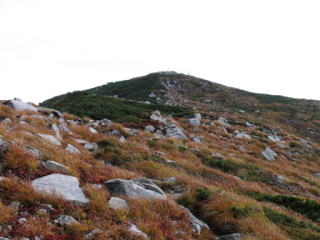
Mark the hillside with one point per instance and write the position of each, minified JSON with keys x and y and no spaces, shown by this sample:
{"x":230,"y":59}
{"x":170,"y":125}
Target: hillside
{"x":207,"y":176}
{"x":173,"y":89}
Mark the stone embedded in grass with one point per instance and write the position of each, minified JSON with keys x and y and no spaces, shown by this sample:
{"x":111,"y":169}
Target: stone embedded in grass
{"x":56,"y":167}
{"x":233,"y":236}
{"x":122,"y":139}
{"x":223,"y":122}
{"x":136,"y":188}
{"x":133,"y":228}
{"x":175,"y":132}
{"x":64,"y":220}
{"x":241,"y":135}
{"x":196,"y":122}
{"x":51,"y":139}
{"x":274,"y":138}
{"x":269,"y":154}
{"x":65,"y":186}
{"x":72,"y":149}
{"x":116,"y":203}
{"x":56,"y":130}
{"x":91,"y":146}
{"x":150,"y":128}
{"x":197,"y":224}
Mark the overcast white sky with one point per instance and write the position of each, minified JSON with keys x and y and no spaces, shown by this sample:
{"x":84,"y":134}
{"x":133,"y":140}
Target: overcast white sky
{"x":51,"y":47}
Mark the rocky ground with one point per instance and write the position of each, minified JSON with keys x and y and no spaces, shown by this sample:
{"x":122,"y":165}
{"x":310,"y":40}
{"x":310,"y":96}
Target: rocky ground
{"x":208,"y":176}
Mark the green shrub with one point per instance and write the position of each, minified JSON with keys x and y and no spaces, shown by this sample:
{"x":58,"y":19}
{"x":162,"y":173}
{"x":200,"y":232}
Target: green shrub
{"x":203,"y":194}
{"x":307,"y":207}
{"x":296,"y":229}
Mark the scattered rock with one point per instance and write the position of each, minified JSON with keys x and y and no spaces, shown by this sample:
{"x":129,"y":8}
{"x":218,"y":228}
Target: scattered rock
{"x":64,"y":220}
{"x":197,"y":139}
{"x":197,"y":224}
{"x":218,"y":156}
{"x":152,"y":95}
{"x":241,"y":135}
{"x":65,"y":186}
{"x":92,"y":130}
{"x":156,"y":116}
{"x":175,"y":132}
{"x":56,"y":130}
{"x":269,"y":154}
{"x":195,"y":122}
{"x":35,"y":152}
{"x":116,"y":203}
{"x":317,"y":175}
{"x":150,"y":128}
{"x":136,"y":188}
{"x":15,"y":206}
{"x":92,"y":234}
{"x":223,"y":121}
{"x":133,"y":228}
{"x":274,"y":138}
{"x":55,"y":167}
{"x":234,"y":236}
{"x":72,"y":149}
{"x":91,"y":146}
{"x":6,"y":121}
{"x":169,"y":179}
{"x":122,"y":139}
{"x":22,"y":220}
{"x":50,"y":139}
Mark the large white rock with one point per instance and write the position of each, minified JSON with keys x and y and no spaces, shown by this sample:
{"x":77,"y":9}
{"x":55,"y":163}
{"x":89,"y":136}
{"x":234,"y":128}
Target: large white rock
{"x":136,"y":188}
{"x":65,"y":186}
{"x":19,"y":105}
{"x":50,"y":139}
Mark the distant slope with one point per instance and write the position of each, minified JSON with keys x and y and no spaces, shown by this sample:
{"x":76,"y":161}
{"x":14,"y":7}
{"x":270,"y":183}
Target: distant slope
{"x":99,"y":107}
{"x":187,"y":91}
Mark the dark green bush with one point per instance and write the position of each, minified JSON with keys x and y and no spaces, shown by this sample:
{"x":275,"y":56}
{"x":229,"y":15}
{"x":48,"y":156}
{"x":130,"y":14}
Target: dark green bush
{"x":307,"y":207}
{"x":203,"y":194}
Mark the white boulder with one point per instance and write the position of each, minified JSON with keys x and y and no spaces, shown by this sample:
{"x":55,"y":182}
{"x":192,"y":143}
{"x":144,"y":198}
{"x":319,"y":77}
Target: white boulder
{"x":65,"y":186}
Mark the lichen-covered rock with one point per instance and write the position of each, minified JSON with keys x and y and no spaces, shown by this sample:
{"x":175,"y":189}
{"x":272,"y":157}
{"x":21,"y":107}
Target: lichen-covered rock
{"x":65,"y":186}
{"x":136,"y":188}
